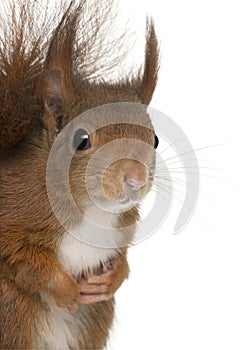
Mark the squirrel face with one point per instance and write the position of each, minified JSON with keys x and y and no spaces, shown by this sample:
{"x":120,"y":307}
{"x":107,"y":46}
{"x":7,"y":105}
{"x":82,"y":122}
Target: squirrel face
{"x":112,"y":154}
{"x":118,"y":169}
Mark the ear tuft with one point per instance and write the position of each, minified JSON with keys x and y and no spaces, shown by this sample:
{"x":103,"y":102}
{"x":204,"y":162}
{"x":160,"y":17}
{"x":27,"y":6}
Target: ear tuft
{"x":53,"y":79}
{"x":147,"y":81}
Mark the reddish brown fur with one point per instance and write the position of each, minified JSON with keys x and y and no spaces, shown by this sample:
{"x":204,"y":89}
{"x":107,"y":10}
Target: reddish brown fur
{"x":46,"y":79}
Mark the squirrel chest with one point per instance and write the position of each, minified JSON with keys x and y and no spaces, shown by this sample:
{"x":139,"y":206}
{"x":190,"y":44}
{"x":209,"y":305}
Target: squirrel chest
{"x":79,"y":252}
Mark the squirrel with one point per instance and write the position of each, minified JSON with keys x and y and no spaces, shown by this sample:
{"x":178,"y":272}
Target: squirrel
{"x":57,"y":292}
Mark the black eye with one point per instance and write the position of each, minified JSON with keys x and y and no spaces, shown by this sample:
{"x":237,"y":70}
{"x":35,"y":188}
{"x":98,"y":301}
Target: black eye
{"x":156,"y":141}
{"x":81,"y":140}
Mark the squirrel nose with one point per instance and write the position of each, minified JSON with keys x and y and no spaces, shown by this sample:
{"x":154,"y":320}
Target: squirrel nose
{"x":135,"y":185}
{"x":135,"y":176}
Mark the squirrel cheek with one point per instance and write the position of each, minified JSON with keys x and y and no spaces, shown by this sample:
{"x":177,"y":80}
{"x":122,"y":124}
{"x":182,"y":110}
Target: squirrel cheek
{"x":112,"y":188}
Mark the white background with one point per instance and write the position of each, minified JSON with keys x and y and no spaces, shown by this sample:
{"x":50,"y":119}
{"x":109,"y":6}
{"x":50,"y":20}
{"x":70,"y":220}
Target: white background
{"x":189,"y":291}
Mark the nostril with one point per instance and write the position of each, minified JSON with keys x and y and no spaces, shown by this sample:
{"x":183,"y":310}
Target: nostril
{"x":135,"y":185}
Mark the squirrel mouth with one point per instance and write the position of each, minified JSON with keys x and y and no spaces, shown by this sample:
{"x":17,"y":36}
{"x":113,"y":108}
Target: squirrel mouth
{"x":130,"y":199}
{"x":125,"y":200}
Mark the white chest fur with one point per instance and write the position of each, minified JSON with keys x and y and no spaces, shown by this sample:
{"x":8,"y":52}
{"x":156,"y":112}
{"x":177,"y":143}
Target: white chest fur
{"x":94,"y":241}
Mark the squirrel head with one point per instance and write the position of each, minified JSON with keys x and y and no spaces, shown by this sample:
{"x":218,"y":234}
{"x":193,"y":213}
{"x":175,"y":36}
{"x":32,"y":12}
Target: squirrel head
{"x":56,"y":90}
{"x":107,"y":148}
{"x":66,"y":95}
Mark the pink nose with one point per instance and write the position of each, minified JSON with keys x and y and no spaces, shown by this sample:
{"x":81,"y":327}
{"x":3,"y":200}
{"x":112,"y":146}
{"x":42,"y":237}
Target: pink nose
{"x":135,"y":185}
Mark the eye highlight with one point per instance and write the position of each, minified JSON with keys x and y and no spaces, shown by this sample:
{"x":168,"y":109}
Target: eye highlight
{"x":81,"y":140}
{"x":156,"y":141}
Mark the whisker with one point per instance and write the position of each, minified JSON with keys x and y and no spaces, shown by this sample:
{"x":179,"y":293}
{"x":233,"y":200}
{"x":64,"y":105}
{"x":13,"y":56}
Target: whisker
{"x":178,"y":182}
{"x":169,"y":190}
{"x":193,"y":167}
{"x":194,"y":150}
{"x":170,"y":145}
{"x":180,"y":161}
{"x":199,"y":174}
{"x":161,"y":194}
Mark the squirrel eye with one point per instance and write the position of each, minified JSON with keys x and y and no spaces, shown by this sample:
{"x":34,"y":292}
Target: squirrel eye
{"x":81,"y":140}
{"x":156,"y":141}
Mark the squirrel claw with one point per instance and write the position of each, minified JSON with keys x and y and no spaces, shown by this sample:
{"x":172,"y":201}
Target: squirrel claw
{"x":96,"y":288}
{"x":107,"y":276}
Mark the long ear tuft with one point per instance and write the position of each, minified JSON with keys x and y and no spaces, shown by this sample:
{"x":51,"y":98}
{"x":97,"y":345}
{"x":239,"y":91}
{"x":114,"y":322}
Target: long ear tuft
{"x":148,"y":79}
{"x":61,"y":49}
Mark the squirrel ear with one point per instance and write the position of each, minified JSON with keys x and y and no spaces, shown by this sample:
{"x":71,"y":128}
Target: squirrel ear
{"x":53,"y":96}
{"x":147,"y":80}
{"x":53,"y":105}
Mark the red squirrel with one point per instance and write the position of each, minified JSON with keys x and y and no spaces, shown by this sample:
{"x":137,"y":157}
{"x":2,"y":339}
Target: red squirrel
{"x":55,"y":291}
